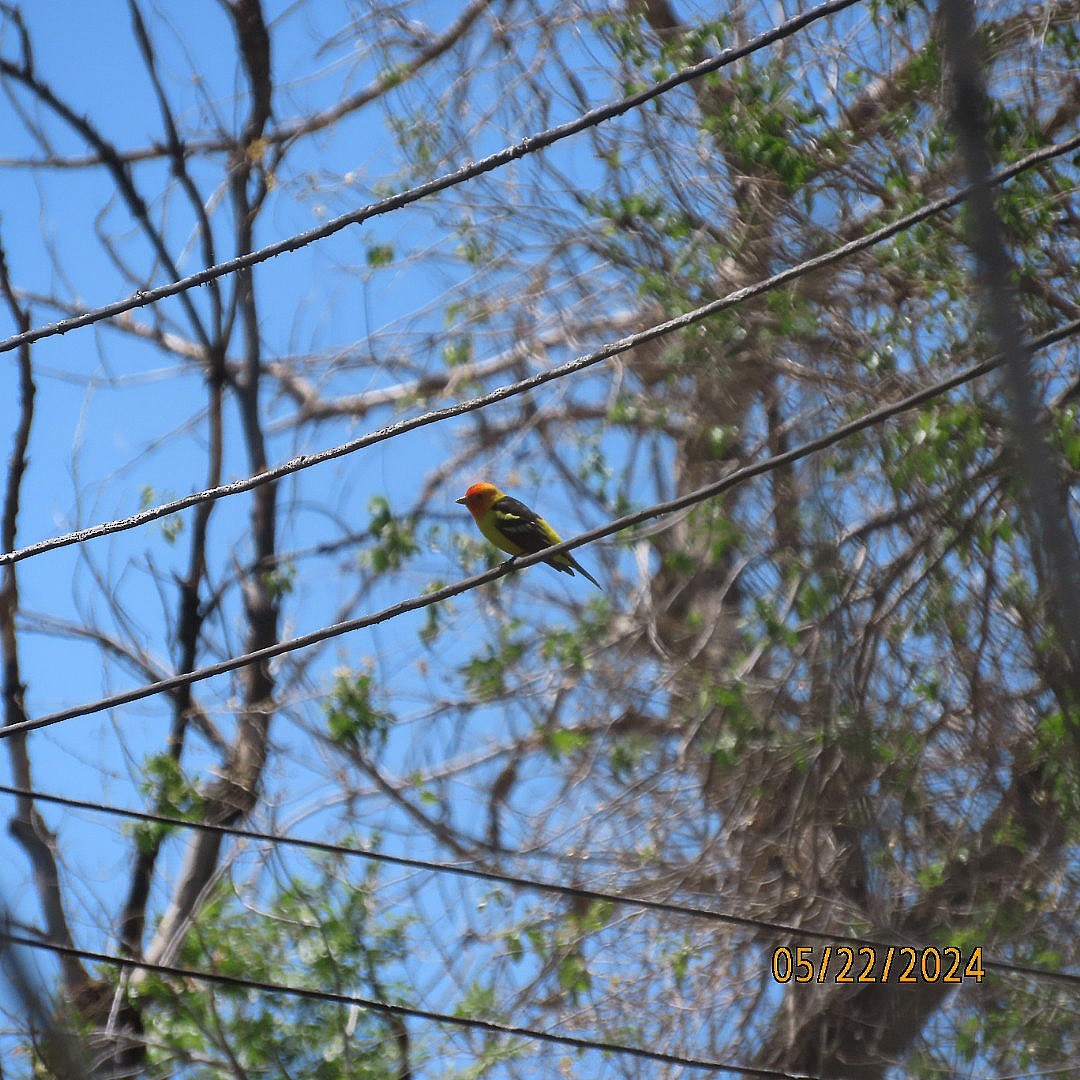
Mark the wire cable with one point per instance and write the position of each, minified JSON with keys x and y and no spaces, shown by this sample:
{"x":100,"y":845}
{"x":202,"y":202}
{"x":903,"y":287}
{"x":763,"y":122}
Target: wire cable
{"x":490,"y":1026}
{"x":436,"y":596}
{"x":62,"y":1051}
{"x":506,"y":156}
{"x":681,"y":322}
{"x":576,"y":892}
{"x":1043,"y":492}
{"x":528,"y":145}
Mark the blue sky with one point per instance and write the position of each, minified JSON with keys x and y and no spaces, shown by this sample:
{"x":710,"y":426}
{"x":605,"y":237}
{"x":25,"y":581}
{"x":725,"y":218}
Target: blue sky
{"x":119,"y":425}
{"x":105,"y":402}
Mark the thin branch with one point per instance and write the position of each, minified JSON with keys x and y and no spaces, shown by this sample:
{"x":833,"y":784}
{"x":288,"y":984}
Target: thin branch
{"x":489,"y":1026}
{"x":120,"y":173}
{"x":530,"y":144}
{"x":28,"y":827}
{"x":631,"y":341}
{"x":691,"y":498}
{"x":1043,"y":493}
{"x":232,"y":795}
{"x":179,"y":155}
{"x":62,"y":1053}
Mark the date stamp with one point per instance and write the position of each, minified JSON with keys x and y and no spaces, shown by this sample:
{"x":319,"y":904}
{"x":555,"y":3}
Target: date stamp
{"x":876,"y":964}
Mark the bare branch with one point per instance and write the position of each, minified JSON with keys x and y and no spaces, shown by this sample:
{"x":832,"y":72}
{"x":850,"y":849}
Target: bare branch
{"x":1045,"y":494}
{"x":28,"y":827}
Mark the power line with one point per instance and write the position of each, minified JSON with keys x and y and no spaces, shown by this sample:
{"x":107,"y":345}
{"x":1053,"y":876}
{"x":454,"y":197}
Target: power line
{"x":714,"y":307}
{"x":516,"y":881}
{"x":61,"y":1050}
{"x":1042,"y":490}
{"x":357,"y":217}
{"x":490,"y":1026}
{"x":416,"y":603}
{"x":528,"y":145}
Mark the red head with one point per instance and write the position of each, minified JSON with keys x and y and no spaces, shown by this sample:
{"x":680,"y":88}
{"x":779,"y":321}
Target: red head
{"x":479,"y":497}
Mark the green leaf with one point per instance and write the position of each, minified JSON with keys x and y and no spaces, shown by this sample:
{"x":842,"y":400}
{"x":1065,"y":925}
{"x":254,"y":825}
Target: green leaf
{"x":351,"y":717}
{"x":379,"y":255}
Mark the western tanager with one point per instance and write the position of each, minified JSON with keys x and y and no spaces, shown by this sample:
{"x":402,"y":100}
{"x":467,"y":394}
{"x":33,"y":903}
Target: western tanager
{"x":512,"y":526}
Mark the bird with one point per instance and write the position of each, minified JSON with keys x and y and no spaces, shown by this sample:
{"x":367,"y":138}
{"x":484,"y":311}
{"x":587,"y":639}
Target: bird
{"x":517,"y":530}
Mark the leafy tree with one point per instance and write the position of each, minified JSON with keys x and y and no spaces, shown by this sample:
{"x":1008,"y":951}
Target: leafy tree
{"x":833,"y":697}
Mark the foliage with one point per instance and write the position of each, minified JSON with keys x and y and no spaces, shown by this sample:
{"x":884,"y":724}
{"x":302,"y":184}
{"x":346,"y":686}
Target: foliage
{"x":319,"y":933}
{"x":832,"y":696}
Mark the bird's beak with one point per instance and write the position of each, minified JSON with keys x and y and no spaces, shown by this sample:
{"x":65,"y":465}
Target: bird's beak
{"x":461,"y":500}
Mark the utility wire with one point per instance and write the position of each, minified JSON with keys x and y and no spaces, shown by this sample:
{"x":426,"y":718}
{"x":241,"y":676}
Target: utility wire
{"x":681,"y":322}
{"x":528,"y":145}
{"x":516,"y":881}
{"x":416,"y":603}
{"x":490,"y":1026}
{"x":62,"y":1051}
{"x":1043,"y":494}
{"x":509,"y":154}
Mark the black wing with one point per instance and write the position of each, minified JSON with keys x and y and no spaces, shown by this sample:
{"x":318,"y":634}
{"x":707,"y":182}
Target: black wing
{"x":522,"y":525}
